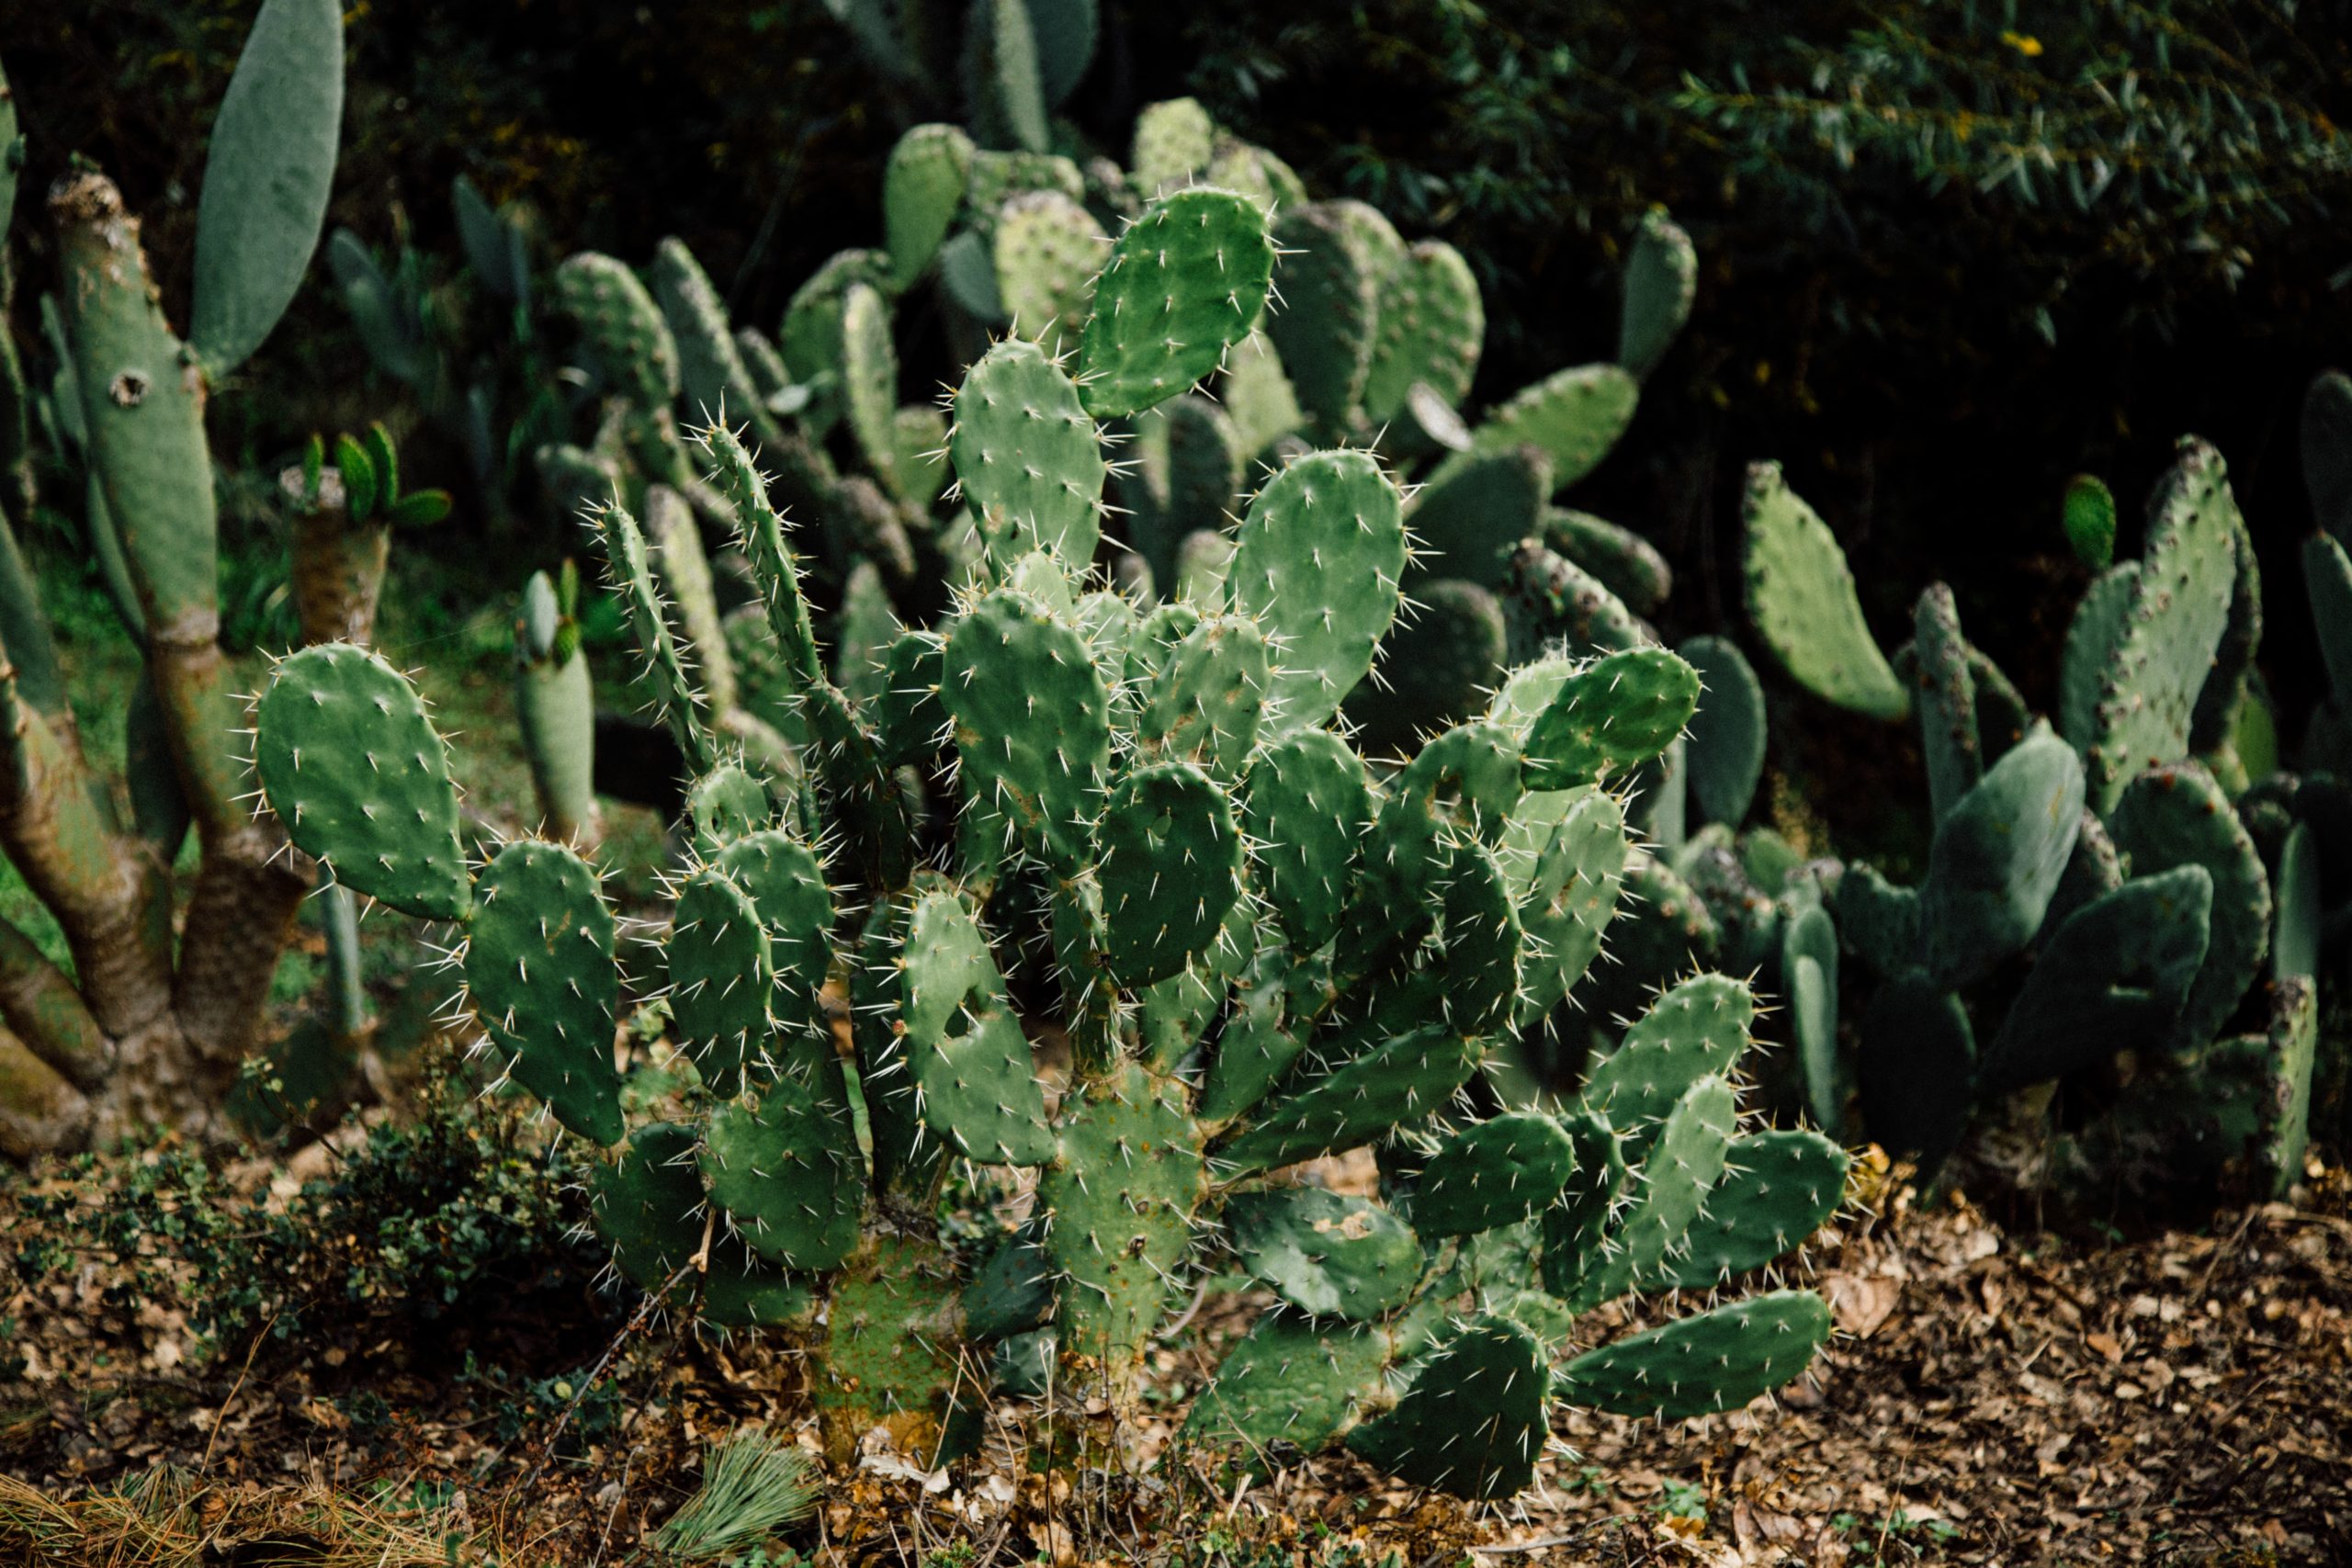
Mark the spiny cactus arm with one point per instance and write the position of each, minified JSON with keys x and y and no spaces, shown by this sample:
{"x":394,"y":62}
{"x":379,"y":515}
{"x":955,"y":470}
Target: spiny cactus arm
{"x":774,"y":563}
{"x":682,"y":570}
{"x":267,"y":176}
{"x":680,"y":701}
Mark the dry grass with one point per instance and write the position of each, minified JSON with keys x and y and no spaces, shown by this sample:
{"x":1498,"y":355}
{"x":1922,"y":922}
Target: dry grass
{"x":171,"y":1518}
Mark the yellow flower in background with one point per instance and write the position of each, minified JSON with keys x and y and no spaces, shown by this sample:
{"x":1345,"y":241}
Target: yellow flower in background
{"x":2024,"y":43}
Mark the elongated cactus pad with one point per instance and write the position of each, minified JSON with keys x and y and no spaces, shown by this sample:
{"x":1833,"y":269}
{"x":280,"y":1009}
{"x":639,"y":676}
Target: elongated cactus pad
{"x":1801,"y":596}
{"x":355,"y":771}
{"x":1406,"y":1078}
{"x":1610,"y":716}
{"x":1778,"y":1188}
{"x":922,"y":185}
{"x":1696,"y":1366}
{"x":1998,"y":859}
{"x":1033,"y":728}
{"x":1661,"y":279}
{"x":721,"y":980}
{"x":1027,"y":452}
{"x":1122,"y":1195}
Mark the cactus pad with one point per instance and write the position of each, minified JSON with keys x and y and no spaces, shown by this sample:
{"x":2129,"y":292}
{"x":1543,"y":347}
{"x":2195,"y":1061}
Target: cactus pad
{"x":1169,"y":860}
{"x":970,"y":1060}
{"x":1326,"y":1254}
{"x":721,"y":979}
{"x":1406,"y":1078}
{"x":787,"y":1171}
{"x":1290,"y":1386}
{"x":1694,"y":1031}
{"x":1046,"y":252}
{"x":1032,"y":725}
{"x":1611,"y":716}
{"x":1696,"y":1366}
{"x":1801,"y":596}
{"x":1184,"y":282}
{"x":1727,"y":731}
{"x":1474,"y":1420}
{"x":1430,"y":327}
{"x":1661,"y":278}
{"x":922,"y":185}
{"x":1998,"y":859}
{"x":1122,"y":1193}
{"x":1206,"y":702}
{"x":622,"y":327}
{"x":1494,"y":1173}
{"x":1471,"y":517}
{"x":1317,"y":565}
{"x":2176,"y":816}
{"x":1574,"y":415}
{"x":1778,"y":1188}
{"x":541,"y":979}
{"x":354,"y":767}
{"x":1027,"y":452}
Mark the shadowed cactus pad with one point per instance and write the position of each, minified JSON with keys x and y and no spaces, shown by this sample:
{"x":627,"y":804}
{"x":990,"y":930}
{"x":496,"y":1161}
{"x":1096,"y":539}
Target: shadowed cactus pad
{"x":1696,"y":1366}
{"x":1474,"y":1421}
{"x":1326,"y":1254}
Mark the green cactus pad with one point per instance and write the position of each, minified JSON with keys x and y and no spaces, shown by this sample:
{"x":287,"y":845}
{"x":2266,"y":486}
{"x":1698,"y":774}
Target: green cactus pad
{"x":1494,"y":1173}
{"x":679,"y":699}
{"x":1046,"y":252}
{"x":2092,"y":638}
{"x":890,"y":1355}
{"x":1620,"y":560}
{"x":1946,"y":700}
{"x":1331,"y":276}
{"x":1694,"y":1031}
{"x":2088,"y":516}
{"x":2115,"y":975}
{"x":785,"y":884}
{"x":2178,"y":816}
{"x":869,"y":383}
{"x":1778,"y":1188}
{"x":1727,"y":731}
{"x":1013,"y":1292}
{"x":1997,"y":857}
{"x":721,"y":979}
{"x":1436,"y":668}
{"x":1206,"y":702}
{"x":1610,"y":717}
{"x":1469,"y":519}
{"x":1809,"y":977}
{"x":2295,"y":948}
{"x":2328,"y":452}
{"x":1566,"y":897}
{"x":1263,"y":1039}
{"x":1575,"y":1238}
{"x":787,"y":1171}
{"x":622,"y":327}
{"x":1801,"y":596}
{"x":1556,"y":599}
{"x":1880,"y":920}
{"x":922,"y":185}
{"x":724,"y":805}
{"x":1915,"y":1068}
{"x":1661,"y":279}
{"x":1169,"y":860}
{"x":1027,"y":452}
{"x":1186,"y":282}
{"x":1316,"y":565}
{"x":1680,"y":1167}
{"x":1485,"y":943}
{"x":970,"y":1060}
{"x":1177,"y":1011}
{"x":810,"y":336}
{"x":1032,"y":726}
{"x":1475,"y":1419}
{"x":541,"y":979}
{"x":1326,"y":1254}
{"x":1430,"y":327}
{"x":1122,"y":1195}
{"x":354,"y":767}
{"x":906,"y":1156}
{"x":1174,"y":141}
{"x":1406,"y":1078}
{"x":2188,"y":575}
{"x":1696,"y":1366}
{"x":1289,"y":1387}
{"x":712,"y":376}
{"x":649,"y":1205}
{"x":1574,"y":415}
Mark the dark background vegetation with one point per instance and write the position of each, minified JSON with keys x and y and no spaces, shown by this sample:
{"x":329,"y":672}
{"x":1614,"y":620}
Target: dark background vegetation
{"x":1917,"y":291}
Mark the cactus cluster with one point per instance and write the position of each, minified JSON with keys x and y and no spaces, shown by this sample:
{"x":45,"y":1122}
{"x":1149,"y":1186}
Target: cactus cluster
{"x":2128,"y":894}
{"x":1138,"y":831}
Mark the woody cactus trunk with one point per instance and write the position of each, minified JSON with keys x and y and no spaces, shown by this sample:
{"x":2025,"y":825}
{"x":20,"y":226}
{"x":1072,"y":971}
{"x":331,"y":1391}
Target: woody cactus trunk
{"x":152,"y":1011}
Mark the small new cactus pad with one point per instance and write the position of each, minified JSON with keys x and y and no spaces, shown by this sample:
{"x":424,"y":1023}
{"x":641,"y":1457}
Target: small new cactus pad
{"x":1575,"y":415}
{"x":1046,"y":253}
{"x":1946,"y":700}
{"x":1801,"y":596}
{"x":971,"y":1063}
{"x":1696,"y":1366}
{"x":1916,"y":1067}
{"x":1566,"y":895}
{"x":1317,"y":565}
{"x":1475,"y":1419}
{"x":1327,"y":1254}
{"x":2188,"y":575}
{"x":1184,"y":282}
{"x":787,"y":1170}
{"x":1695,"y":1031}
{"x":2115,"y":975}
{"x":1208,"y":701}
{"x":540,"y":977}
{"x":1778,"y":1188}
{"x":1998,"y":859}
{"x":1661,"y":279}
{"x":922,"y":185}
{"x":1168,"y":856}
{"x":1726,"y":753}
{"x":2088,"y":516}
{"x":622,"y":327}
{"x":1028,"y":459}
{"x":1330,"y":283}
{"x":1406,"y":1078}
{"x":1468,"y":521}
{"x":1610,"y":716}
{"x":2092,"y":638}
{"x":1290,"y":1386}
{"x":1492,"y":1174}
{"x":2176,"y":816}
{"x":1809,"y":974}
{"x":1122,"y":1193}
{"x":1033,"y":728}
{"x":1430,"y":326}
{"x":721,"y":979}
{"x":355,"y":771}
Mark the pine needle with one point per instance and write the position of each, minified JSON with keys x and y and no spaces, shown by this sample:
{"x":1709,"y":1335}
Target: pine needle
{"x":752,"y":1485}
